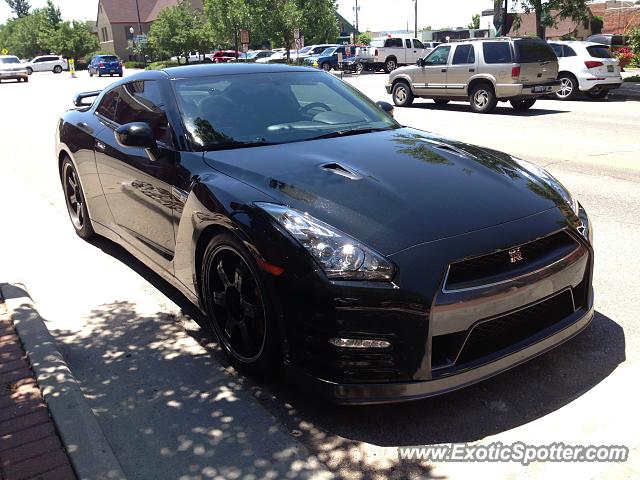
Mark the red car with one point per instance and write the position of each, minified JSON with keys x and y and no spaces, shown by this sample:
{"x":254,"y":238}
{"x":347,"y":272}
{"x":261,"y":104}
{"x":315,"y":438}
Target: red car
{"x":223,"y":56}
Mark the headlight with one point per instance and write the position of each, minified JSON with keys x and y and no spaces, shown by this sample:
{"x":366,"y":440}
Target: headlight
{"x":340,"y":256}
{"x":551,"y":181}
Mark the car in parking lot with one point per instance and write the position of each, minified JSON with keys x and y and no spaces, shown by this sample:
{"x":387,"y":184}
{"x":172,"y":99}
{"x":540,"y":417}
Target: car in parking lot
{"x":12,"y":69}
{"x":105,"y":65}
{"x":47,"y":63}
{"x":585,"y":67}
{"x":328,"y":59}
{"x":375,"y":262}
{"x":482,"y":71}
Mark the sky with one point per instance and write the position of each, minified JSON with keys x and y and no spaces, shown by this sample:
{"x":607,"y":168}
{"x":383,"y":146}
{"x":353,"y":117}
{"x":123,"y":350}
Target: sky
{"x":375,"y":15}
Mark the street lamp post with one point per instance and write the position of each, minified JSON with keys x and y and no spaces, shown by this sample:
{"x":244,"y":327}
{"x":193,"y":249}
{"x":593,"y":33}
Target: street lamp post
{"x":144,"y":58}
{"x":416,"y":19}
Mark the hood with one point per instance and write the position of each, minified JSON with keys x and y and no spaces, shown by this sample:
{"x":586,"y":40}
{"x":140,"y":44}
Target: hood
{"x":392,"y":189}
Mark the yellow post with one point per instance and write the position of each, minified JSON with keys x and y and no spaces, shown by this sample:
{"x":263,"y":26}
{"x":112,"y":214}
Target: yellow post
{"x":72,"y":67}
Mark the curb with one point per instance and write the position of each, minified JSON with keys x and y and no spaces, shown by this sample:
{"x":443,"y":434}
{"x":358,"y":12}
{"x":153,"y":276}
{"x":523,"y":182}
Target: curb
{"x":88,"y":449}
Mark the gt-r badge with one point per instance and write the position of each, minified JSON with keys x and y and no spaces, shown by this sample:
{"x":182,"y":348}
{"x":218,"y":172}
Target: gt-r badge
{"x":515,"y":255}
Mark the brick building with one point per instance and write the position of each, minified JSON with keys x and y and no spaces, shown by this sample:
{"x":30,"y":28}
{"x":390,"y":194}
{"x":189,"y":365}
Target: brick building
{"x":117,"y":17}
{"x":618,"y":16}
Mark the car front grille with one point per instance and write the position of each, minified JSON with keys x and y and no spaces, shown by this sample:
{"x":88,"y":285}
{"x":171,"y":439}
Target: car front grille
{"x":497,"y":266}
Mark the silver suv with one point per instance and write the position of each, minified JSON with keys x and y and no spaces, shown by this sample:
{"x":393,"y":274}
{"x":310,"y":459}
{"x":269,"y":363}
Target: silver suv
{"x":482,"y":71}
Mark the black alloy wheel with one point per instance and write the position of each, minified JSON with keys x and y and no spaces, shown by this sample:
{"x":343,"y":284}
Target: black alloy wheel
{"x":237,"y":307}
{"x":74,"y":196}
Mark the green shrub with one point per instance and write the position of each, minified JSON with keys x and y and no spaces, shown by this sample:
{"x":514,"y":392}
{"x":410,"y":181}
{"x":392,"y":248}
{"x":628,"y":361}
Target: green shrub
{"x":635,"y":78}
{"x":133,"y":64}
{"x":161,"y":65}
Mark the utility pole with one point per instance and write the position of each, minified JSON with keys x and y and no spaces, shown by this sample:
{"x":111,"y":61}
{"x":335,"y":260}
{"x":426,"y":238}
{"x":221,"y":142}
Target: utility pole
{"x":144,"y":56}
{"x":416,"y":19}
{"x":357,"y":8}
{"x":504,"y":19}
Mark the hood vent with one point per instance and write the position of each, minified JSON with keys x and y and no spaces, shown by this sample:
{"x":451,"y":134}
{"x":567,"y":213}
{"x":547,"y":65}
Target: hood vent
{"x":341,"y":170}
{"x":445,"y":146}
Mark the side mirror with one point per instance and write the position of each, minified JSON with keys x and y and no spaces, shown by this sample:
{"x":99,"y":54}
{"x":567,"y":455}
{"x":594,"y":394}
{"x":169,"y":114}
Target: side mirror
{"x":136,"y":134}
{"x":386,"y":107}
{"x":420,"y":62}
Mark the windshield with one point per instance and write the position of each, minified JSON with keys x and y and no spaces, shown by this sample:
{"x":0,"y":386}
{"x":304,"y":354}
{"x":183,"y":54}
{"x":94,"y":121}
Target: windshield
{"x":9,"y":60}
{"x":304,"y":49}
{"x":267,"y":108}
{"x":329,"y":51}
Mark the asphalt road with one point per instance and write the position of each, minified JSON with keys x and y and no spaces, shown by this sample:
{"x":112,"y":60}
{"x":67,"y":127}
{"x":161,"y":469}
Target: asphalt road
{"x":153,"y":375}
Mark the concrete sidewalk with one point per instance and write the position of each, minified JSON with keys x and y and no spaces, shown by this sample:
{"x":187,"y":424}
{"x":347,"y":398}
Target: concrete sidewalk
{"x":29,"y":444}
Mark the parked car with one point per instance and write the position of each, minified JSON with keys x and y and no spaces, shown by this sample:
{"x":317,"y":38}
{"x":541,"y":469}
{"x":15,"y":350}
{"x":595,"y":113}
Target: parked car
{"x":194,"y":57}
{"x":223,"y":56}
{"x":47,"y":63}
{"x":254,"y":55}
{"x":375,"y":262}
{"x":311,"y":50}
{"x":328,"y":59}
{"x":609,"y":39}
{"x":105,"y":65}
{"x":585,"y":67}
{"x":12,"y":69}
{"x":274,"y":56}
{"x":483,"y":71}
{"x":392,"y":53}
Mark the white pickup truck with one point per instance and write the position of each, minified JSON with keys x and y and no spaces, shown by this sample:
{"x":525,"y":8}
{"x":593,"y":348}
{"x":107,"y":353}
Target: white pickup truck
{"x":394,"y":52}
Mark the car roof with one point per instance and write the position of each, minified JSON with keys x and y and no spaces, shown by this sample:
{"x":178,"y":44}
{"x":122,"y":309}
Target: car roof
{"x":579,"y":43}
{"x":8,"y":56}
{"x":205,"y":70}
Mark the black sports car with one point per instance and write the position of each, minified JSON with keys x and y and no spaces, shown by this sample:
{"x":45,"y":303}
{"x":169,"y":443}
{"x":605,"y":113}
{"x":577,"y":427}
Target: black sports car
{"x":377,"y":263}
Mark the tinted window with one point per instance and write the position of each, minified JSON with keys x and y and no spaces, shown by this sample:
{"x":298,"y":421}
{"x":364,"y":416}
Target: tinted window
{"x":407,"y":43}
{"x":496,"y":52}
{"x":557,"y":49}
{"x":222,"y":112}
{"x":108,"y":104}
{"x":568,"y":51}
{"x":533,"y":51}
{"x":439,"y":56}
{"x":599,"y":51}
{"x":393,"y":42}
{"x":9,"y":60}
{"x":464,"y":54}
{"x":144,"y":102}
{"x":418,"y":44}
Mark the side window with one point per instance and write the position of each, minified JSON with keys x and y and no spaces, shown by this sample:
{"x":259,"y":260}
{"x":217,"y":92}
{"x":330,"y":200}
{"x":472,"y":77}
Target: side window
{"x":38,"y":60}
{"x":418,"y":44}
{"x":143,"y":101}
{"x":339,"y":50}
{"x":497,"y":52}
{"x":108,"y":104}
{"x":407,"y":43}
{"x":439,"y":56}
{"x":557,"y":49}
{"x":568,"y":51}
{"x":464,"y":54}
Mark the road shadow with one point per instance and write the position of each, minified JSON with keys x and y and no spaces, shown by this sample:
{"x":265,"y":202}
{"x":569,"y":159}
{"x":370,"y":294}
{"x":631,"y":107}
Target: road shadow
{"x":499,"y":110}
{"x":339,"y":435}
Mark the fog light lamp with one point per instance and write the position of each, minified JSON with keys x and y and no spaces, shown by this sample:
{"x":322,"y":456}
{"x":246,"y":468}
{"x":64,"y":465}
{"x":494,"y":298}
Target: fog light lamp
{"x":358,"y":343}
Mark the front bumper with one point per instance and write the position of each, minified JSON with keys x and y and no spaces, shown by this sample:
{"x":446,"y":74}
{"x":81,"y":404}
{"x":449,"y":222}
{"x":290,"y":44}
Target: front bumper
{"x":377,"y":393}
{"x":14,"y":75}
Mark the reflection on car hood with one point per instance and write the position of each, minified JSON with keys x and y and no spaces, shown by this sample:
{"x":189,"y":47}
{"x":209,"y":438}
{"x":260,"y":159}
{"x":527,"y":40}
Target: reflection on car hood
{"x":391,"y":189}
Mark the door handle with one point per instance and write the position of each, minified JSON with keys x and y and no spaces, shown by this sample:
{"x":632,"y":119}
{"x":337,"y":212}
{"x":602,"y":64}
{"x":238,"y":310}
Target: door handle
{"x":443,"y":70}
{"x":100,"y":146}
{"x":472,"y":70}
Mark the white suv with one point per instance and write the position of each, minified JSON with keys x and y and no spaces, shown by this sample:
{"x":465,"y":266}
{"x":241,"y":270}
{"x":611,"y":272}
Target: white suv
{"x":585,"y":67}
{"x":47,"y":63}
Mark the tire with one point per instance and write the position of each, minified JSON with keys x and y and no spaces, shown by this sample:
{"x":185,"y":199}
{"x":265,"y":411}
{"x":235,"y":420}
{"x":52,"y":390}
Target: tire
{"x":402,"y":94}
{"x":250,"y":340}
{"x":90,"y":73}
{"x":597,"y":92}
{"x":120,"y":75}
{"x":29,"y":70}
{"x":523,"y":104}
{"x":57,"y":69}
{"x":25,"y":79}
{"x":390,"y":64}
{"x":75,"y":200}
{"x":568,"y":87}
{"x":326,"y":66}
{"x":483,"y":98}
{"x":359,"y":68}
{"x":440,"y":101}
{"x":99,"y":74}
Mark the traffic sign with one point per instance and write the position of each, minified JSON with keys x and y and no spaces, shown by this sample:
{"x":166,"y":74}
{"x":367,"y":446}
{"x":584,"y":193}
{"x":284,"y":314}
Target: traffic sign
{"x":141,"y":39}
{"x":245,"y":47}
{"x":244,"y":36}
{"x":5,"y":51}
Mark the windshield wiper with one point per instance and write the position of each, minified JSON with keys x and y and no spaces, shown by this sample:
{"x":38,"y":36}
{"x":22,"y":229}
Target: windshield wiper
{"x":347,"y":132}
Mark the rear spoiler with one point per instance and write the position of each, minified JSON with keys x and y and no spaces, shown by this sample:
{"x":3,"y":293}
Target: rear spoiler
{"x":78,"y":99}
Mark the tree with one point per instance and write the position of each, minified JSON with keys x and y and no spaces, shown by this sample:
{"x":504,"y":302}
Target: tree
{"x":475,"y":22}
{"x":74,"y":40}
{"x":54,"y":17}
{"x":228,"y":17}
{"x":29,"y":36}
{"x":365,"y":38}
{"x":178,"y":30}
{"x":547,"y":12}
{"x":596,"y":25}
{"x":285,"y":16}
{"x":318,"y":21}
{"x":19,"y":7}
